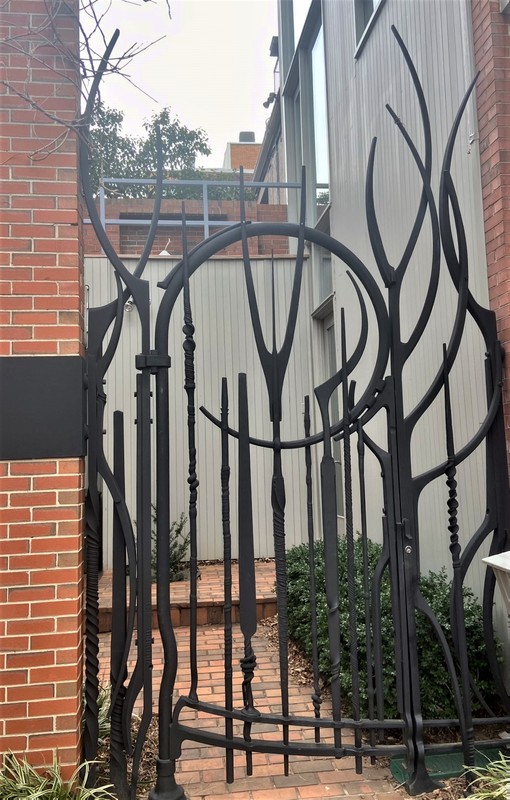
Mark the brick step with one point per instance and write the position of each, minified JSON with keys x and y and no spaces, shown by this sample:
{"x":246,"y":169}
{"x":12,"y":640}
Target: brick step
{"x":208,"y":613}
{"x":211,"y":602}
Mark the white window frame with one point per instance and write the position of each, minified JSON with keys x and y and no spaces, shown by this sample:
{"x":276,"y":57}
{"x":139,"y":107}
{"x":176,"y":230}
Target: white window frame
{"x":362,"y":39}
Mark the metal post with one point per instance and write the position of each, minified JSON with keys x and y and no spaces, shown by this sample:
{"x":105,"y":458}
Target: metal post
{"x":102,"y":208}
{"x":205,"y":200}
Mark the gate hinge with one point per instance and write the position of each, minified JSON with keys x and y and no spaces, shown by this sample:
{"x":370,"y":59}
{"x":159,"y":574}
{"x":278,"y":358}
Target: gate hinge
{"x":153,"y":361}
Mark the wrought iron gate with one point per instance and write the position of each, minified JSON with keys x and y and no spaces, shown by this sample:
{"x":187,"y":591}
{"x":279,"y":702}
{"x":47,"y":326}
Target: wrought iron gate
{"x":400,"y":559}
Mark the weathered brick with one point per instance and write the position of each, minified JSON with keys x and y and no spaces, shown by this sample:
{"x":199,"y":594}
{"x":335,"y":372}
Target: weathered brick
{"x":491,"y":48}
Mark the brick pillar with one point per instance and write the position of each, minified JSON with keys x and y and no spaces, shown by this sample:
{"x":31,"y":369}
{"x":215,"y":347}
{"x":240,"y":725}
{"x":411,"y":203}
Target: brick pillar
{"x":41,"y":500}
{"x":491,"y":37}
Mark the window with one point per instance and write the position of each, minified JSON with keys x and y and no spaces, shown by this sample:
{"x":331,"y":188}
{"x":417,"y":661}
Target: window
{"x":305,"y":110}
{"x":320,"y":114}
{"x":363,"y":10}
{"x":325,"y":274}
{"x":331,"y":368}
{"x":299,"y":13}
{"x":298,"y":146}
{"x":365,"y":15}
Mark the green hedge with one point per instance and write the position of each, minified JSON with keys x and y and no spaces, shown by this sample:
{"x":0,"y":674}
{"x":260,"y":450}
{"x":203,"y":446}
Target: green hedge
{"x":436,"y":690}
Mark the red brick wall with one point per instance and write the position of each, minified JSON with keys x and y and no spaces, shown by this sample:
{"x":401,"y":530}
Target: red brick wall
{"x":130,"y":239}
{"x":243,"y":154}
{"x":41,"y":502}
{"x":491,"y":37}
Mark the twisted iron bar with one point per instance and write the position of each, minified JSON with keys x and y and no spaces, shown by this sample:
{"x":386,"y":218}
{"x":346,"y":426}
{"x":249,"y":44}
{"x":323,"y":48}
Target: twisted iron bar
{"x":457,"y":610}
{"x":189,"y":386}
{"x":91,"y":726}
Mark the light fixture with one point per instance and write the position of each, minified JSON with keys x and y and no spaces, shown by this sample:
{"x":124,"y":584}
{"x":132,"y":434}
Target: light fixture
{"x":165,"y":252}
{"x":271,"y":98}
{"x":129,"y":304}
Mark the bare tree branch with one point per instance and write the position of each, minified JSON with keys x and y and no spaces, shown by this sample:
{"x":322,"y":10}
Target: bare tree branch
{"x":66,"y":60}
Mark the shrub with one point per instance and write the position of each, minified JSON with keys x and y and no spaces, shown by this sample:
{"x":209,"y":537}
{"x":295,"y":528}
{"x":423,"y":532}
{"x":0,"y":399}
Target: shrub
{"x":436,"y":692}
{"x":179,"y":542}
{"x":20,"y":781}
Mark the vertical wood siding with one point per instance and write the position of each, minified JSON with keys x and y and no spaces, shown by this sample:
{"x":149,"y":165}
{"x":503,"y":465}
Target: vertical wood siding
{"x":438,"y":36}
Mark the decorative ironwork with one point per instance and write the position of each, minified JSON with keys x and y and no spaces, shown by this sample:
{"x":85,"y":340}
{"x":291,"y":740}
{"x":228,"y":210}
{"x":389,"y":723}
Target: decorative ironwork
{"x":247,"y":590}
{"x":189,"y":386}
{"x":316,"y":696}
{"x":227,"y":577}
{"x":381,"y":394}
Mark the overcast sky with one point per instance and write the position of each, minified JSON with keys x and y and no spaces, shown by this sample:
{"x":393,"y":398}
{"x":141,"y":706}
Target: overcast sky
{"x":213,"y":67}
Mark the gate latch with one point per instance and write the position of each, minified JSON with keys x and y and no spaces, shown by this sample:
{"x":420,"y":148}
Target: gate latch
{"x":153,"y":361}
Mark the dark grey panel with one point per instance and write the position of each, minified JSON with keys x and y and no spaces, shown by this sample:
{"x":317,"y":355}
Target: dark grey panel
{"x":42,"y":410}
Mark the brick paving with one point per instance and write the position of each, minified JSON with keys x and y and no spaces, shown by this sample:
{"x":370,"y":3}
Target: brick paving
{"x":201,"y":770}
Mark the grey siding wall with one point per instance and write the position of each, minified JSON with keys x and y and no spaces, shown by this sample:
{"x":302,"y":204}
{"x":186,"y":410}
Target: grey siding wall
{"x":438,"y":37}
{"x":225,"y":347}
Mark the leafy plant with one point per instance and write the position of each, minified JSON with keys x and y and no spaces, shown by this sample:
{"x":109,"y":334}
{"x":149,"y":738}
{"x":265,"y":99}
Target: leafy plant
{"x":103,"y":707}
{"x":179,"y":543}
{"x":115,"y":154}
{"x":436,"y":692}
{"x":20,"y":781}
{"x":492,"y":780}
{"x":213,"y":192}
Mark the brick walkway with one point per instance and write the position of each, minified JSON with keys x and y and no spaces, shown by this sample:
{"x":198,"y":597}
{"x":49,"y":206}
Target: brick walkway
{"x":201,"y":769}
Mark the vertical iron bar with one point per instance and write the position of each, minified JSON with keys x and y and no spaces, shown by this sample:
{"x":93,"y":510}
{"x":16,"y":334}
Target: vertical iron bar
{"x":118,"y":763}
{"x":457,"y":612}
{"x":274,"y":364}
{"x":102,"y":207}
{"x":366,"y":582}
{"x":143,"y":554}
{"x":141,"y":679}
{"x":189,"y":385}
{"x":205,"y":203}
{"x":247,"y":589}
{"x":95,"y":397}
{"x":278,"y":505}
{"x":227,"y":576}
{"x":316,"y":696}
{"x":351,"y":563}
{"x":404,"y":558}
{"x":166,"y":787}
{"x":377,"y":634}
{"x":330,"y":537}
{"x":390,"y":545}
{"x":278,"y":501}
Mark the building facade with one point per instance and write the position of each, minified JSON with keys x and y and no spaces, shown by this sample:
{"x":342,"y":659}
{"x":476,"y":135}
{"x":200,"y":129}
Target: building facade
{"x":341,"y":67}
